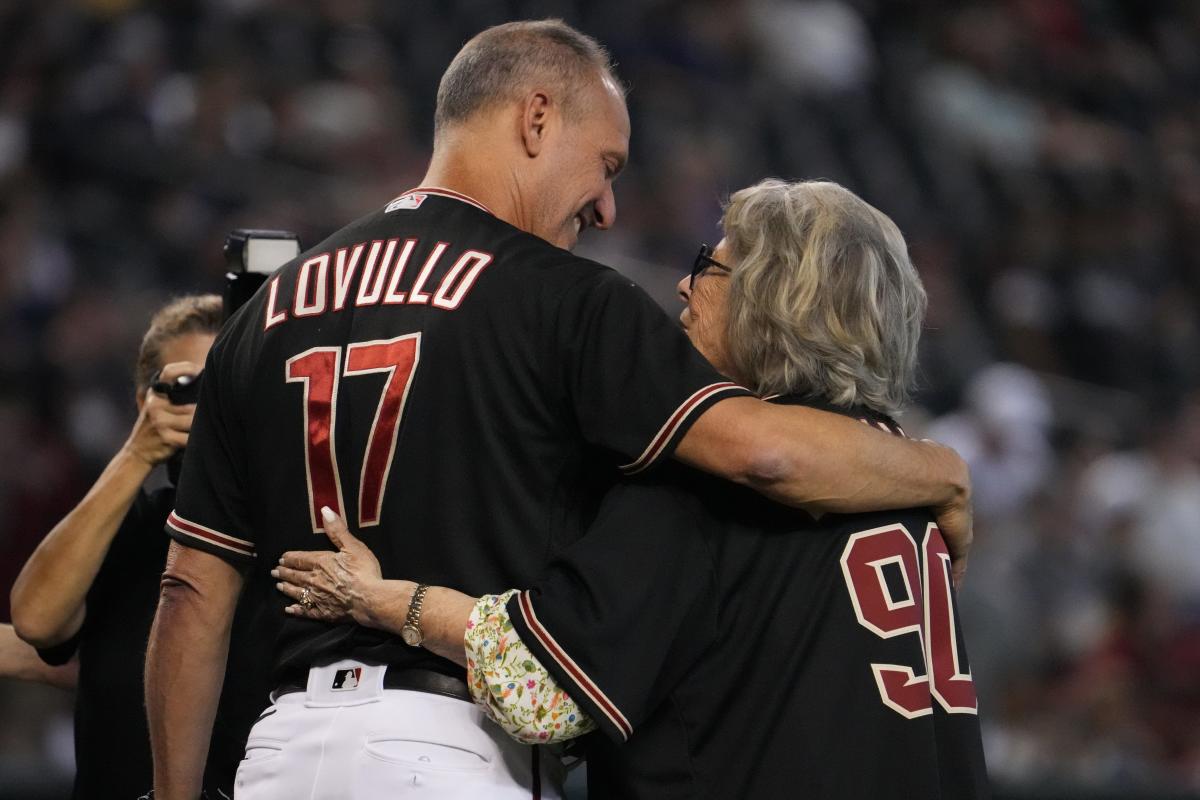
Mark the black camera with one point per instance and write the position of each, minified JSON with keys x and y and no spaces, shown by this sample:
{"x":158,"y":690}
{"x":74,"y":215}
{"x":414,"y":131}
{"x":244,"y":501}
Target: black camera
{"x":185,"y":389}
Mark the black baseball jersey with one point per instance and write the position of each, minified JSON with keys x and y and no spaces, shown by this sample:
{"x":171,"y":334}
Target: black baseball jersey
{"x":730,"y":647}
{"x":461,"y":391}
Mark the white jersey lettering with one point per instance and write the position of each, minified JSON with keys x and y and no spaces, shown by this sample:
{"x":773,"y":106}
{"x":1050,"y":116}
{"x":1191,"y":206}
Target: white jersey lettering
{"x":369,"y":292}
{"x":311,"y":296}
{"x":320,"y":289}
{"x":418,"y":295}
{"x":448,"y":295}
{"x":394,"y":296}
{"x":343,"y":274}
{"x":273,"y":317}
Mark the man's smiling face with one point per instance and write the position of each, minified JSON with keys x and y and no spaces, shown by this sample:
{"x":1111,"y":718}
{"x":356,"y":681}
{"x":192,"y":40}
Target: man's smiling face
{"x":585,"y":159}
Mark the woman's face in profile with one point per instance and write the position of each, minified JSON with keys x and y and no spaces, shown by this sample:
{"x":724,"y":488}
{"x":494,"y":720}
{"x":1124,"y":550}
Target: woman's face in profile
{"x":705,"y":317}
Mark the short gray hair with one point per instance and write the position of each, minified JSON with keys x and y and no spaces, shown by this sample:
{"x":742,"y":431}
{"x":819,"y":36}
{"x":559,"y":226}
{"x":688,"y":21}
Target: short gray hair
{"x":823,"y":299}
{"x":502,"y":62}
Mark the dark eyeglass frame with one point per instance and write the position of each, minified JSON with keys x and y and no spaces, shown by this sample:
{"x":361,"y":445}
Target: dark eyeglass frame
{"x":704,"y":260}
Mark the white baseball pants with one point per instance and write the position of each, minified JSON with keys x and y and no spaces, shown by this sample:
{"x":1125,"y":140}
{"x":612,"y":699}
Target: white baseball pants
{"x":364,"y":742}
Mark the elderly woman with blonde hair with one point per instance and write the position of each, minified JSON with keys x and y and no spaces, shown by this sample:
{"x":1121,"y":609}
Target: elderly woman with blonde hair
{"x":721,"y":645}
{"x":824,"y":301}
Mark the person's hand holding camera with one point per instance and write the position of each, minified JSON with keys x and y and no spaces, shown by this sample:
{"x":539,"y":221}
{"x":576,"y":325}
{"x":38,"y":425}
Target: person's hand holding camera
{"x":162,"y":426}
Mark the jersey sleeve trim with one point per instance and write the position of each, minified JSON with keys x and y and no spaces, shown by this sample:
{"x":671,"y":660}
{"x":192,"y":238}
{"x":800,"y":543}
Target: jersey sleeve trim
{"x":680,"y":420}
{"x":592,"y":696}
{"x":187,"y":532}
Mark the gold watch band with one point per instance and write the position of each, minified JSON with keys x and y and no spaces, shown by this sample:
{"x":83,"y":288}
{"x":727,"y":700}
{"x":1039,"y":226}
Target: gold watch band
{"x":412,"y":623}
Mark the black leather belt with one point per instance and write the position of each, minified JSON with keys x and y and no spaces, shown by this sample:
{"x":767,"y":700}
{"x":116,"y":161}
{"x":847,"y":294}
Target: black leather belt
{"x":411,"y":679}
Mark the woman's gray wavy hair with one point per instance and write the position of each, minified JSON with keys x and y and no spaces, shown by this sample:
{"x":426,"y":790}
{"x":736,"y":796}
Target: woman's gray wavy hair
{"x":823,"y":299}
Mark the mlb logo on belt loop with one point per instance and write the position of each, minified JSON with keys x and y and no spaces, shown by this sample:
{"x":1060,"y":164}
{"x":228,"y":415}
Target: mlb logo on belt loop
{"x":345,"y":680}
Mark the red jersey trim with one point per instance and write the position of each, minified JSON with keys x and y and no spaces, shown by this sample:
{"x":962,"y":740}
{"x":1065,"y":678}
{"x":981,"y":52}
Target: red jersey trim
{"x":197,"y":531}
{"x":606,"y":706}
{"x":440,"y":192}
{"x":673,"y":424}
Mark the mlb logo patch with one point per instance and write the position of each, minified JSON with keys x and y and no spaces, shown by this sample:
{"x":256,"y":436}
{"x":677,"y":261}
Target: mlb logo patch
{"x":344,"y":680}
{"x":406,"y":202}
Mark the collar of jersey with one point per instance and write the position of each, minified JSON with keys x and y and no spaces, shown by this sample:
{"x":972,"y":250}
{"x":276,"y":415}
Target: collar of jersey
{"x":453,"y":195}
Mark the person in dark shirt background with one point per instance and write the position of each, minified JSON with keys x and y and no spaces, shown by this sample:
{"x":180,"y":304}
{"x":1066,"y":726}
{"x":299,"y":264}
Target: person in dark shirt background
{"x":86,"y":597}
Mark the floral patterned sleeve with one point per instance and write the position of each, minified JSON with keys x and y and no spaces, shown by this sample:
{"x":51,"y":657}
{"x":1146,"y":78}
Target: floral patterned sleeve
{"x":511,"y":685}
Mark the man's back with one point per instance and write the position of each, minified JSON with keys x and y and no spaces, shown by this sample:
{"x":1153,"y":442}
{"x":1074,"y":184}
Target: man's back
{"x":762,"y":653}
{"x":460,"y":390}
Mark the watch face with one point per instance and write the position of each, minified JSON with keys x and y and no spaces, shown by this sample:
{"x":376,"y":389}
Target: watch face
{"x":410,"y":635}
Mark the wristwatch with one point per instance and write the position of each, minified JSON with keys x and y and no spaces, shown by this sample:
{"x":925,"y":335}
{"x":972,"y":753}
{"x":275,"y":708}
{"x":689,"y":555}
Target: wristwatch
{"x":411,"y":632}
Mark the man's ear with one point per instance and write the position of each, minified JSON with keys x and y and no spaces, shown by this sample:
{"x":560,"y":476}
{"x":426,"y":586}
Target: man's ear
{"x":536,"y":121}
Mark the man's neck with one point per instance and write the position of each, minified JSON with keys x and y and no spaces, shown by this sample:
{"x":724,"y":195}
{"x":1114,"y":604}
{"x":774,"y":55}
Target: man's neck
{"x":489,"y":181}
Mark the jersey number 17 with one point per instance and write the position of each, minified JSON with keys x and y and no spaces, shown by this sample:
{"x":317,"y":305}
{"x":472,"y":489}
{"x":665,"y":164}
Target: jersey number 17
{"x":319,"y":370}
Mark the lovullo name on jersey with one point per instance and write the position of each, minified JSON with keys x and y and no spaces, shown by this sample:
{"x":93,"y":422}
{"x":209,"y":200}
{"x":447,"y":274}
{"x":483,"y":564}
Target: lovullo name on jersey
{"x":373,"y":273}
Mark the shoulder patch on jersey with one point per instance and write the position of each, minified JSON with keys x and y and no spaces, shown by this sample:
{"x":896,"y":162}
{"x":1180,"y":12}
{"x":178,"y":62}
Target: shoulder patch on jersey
{"x":406,"y":202}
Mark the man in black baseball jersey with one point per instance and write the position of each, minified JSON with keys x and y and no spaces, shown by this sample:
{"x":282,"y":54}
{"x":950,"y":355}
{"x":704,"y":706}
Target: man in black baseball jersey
{"x":445,"y":365}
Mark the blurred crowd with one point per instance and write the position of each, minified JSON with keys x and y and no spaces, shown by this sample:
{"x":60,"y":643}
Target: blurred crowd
{"x":1041,"y":156}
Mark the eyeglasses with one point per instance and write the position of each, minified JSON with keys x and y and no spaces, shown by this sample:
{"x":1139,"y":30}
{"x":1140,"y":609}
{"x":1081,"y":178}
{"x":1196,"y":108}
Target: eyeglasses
{"x":704,"y":260}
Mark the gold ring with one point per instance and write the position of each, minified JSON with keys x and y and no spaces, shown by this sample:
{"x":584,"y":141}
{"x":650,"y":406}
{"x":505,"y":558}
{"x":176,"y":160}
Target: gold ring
{"x":306,"y":598}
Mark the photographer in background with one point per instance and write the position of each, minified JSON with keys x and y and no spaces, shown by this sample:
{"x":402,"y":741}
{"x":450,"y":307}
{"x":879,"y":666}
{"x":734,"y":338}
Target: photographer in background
{"x":91,"y":587}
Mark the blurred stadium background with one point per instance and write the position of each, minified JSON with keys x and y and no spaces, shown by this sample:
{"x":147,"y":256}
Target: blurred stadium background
{"x":1042,"y":157}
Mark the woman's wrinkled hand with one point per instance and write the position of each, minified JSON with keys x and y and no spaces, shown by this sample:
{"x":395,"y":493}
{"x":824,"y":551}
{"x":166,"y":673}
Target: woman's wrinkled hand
{"x":340,"y":585}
